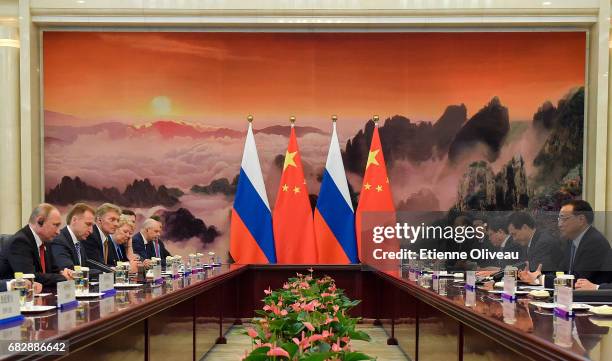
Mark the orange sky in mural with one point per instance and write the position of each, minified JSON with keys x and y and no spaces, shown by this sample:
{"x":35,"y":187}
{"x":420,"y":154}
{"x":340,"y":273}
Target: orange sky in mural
{"x":216,"y":77}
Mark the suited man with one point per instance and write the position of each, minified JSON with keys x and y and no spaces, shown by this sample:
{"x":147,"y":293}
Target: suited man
{"x":99,"y":245}
{"x":586,"y":248}
{"x":501,"y":240}
{"x":541,"y":248}
{"x":151,"y":229}
{"x":28,"y":250}
{"x":585,"y":284}
{"x":66,"y":247}
{"x":155,"y":247}
{"x":139,"y":240}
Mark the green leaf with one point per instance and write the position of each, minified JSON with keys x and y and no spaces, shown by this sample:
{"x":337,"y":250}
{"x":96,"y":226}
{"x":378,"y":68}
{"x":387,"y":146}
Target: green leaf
{"x":295,"y":328}
{"x":318,"y":356}
{"x":258,"y":354}
{"x":291,"y":348}
{"x":359,"y":335}
{"x":257,"y":357}
{"x":322,"y":347}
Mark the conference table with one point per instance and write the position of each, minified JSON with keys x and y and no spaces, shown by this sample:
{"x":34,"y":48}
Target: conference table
{"x":186,"y":317}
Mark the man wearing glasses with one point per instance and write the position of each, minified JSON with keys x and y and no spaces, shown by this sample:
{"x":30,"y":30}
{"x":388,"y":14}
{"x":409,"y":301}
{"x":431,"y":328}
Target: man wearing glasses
{"x":586,"y":249}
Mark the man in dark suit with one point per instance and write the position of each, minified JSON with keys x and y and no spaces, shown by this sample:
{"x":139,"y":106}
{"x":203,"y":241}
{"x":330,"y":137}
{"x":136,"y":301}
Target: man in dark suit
{"x":501,"y":241}
{"x":606,"y":279}
{"x":586,"y":248}
{"x":67,"y":247}
{"x":151,"y":229}
{"x":541,"y":248}
{"x":99,"y":245}
{"x":27,"y":250}
{"x":138,"y":244}
{"x":155,"y":247}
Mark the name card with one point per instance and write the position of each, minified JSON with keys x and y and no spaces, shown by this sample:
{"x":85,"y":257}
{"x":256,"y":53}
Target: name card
{"x":509,"y":311}
{"x":411,"y":274}
{"x":562,"y":331}
{"x":470,"y":280}
{"x":435,"y":281}
{"x":157,"y":272}
{"x":9,"y":307}
{"x":66,"y":320}
{"x":107,"y":283}
{"x":470,"y":298}
{"x":156,"y":291}
{"x":11,"y":333}
{"x":509,"y":288}
{"x":564,"y":301}
{"x":66,"y":294}
{"x":107,"y":306}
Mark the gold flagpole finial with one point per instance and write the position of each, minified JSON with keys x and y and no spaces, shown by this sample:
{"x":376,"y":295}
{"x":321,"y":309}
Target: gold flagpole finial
{"x":375,"y":118}
{"x":334,"y":118}
{"x":250,"y":118}
{"x":292,"y":119}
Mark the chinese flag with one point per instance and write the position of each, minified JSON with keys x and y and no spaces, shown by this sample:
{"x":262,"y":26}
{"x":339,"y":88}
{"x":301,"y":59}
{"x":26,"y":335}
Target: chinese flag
{"x":375,"y":206}
{"x":292,"y":216}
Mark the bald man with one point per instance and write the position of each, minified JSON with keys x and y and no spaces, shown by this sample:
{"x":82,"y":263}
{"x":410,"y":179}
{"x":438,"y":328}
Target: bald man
{"x":151,"y":229}
{"x":27,"y":250}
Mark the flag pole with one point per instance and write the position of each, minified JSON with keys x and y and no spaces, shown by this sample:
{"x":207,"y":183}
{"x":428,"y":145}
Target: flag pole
{"x":250,"y":118}
{"x":292,"y":120}
{"x":375,"y":118}
{"x":334,"y":118}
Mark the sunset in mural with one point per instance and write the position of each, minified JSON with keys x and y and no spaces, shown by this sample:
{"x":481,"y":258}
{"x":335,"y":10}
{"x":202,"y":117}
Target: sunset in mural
{"x":155,"y":121}
{"x":220,"y":77}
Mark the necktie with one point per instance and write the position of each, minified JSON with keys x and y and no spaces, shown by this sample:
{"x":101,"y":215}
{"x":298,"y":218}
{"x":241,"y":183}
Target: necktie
{"x":41,"y":253}
{"x":156,"y":249}
{"x":572,"y":254}
{"x":106,"y":250}
{"x":78,"y":249}
{"x":119,"y":252}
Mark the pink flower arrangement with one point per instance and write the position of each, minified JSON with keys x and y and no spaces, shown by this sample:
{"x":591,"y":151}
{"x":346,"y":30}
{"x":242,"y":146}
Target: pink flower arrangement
{"x":306,"y":318}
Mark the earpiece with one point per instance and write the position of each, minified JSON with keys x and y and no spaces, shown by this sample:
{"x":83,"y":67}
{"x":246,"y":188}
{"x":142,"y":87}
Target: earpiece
{"x":41,"y":222}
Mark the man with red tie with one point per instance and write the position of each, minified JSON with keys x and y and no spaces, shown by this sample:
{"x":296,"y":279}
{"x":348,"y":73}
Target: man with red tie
{"x":27,"y":250}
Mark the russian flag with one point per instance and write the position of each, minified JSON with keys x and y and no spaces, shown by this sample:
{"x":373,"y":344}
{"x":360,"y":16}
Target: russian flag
{"x":334,"y":217}
{"x":251,"y":235}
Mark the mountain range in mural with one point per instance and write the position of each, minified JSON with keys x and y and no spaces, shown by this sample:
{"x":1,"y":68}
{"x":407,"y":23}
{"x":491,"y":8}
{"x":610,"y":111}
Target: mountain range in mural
{"x":187,"y":173}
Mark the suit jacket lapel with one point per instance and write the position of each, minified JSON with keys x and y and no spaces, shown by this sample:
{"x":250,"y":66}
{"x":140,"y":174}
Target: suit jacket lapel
{"x":583,"y":244}
{"x":36,"y":255}
{"x":68,"y":238}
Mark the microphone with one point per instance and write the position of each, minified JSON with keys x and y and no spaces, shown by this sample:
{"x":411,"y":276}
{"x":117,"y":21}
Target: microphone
{"x":95,"y":264}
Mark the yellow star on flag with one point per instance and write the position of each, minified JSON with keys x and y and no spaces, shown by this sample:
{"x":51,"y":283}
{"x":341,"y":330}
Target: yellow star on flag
{"x":289,"y":159}
{"x":372,"y":157}
{"x":296,"y":190}
{"x":367,"y":186}
{"x":379,"y":188}
{"x":285,"y":188}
